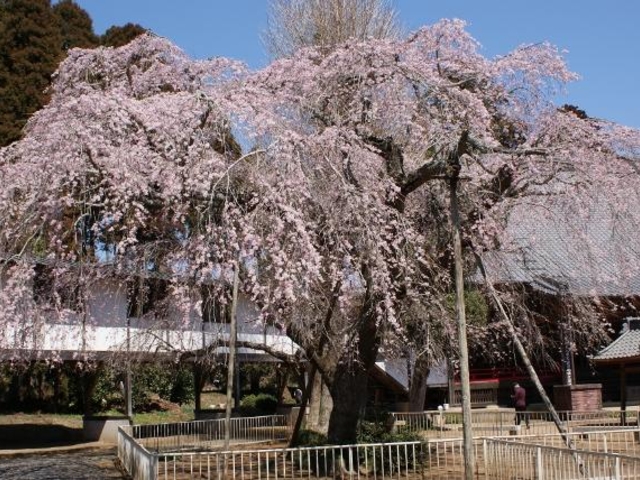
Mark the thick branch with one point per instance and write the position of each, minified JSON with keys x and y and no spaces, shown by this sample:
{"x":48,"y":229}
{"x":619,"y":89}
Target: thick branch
{"x":429,"y":171}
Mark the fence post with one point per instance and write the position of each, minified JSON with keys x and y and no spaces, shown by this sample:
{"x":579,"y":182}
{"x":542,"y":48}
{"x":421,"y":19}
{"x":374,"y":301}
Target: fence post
{"x":539,"y":468}
{"x":617,"y":474}
{"x":484,"y":455}
{"x":153,"y":466}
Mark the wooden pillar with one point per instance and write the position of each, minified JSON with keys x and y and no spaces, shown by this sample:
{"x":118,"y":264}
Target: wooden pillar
{"x":623,"y":392}
{"x":623,"y":387}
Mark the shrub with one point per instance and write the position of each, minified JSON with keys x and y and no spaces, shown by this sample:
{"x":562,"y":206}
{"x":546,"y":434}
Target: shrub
{"x":377,"y":432}
{"x":310,"y":438}
{"x":260,"y":404}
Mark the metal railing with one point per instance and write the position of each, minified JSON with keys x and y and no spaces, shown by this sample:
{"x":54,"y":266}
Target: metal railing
{"x":210,"y":434}
{"x":137,"y":461}
{"x":383,"y":461}
{"x":534,"y":456}
{"x":508,"y":460}
{"x":448,"y":424}
{"x":444,"y":458}
{"x":623,"y":441}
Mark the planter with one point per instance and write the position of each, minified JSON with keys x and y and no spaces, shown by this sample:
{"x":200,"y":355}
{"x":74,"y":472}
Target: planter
{"x":103,"y":428}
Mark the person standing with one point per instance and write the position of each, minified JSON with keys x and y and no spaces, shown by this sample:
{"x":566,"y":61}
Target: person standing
{"x":520,"y":403}
{"x":297,"y":395}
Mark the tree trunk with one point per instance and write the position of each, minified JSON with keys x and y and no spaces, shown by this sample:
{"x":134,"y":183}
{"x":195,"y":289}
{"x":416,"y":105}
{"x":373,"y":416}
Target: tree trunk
{"x":303,"y":407}
{"x":282,"y":376}
{"x":349,"y":394}
{"x":418,"y":387}
{"x":320,"y":406}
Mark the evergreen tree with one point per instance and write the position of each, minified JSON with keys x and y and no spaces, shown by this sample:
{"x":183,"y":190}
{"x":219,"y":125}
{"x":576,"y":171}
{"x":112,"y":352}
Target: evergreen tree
{"x":76,"y":26}
{"x":34,"y":37}
{"x":30,"y":50}
{"x":117,"y":36}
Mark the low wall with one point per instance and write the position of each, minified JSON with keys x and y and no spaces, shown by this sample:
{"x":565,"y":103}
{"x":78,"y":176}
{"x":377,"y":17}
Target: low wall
{"x":103,"y":429}
{"x":586,"y":397}
{"x":210,"y":414}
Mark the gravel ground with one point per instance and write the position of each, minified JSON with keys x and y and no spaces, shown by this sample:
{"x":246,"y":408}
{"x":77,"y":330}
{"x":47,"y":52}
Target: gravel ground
{"x":77,"y":465}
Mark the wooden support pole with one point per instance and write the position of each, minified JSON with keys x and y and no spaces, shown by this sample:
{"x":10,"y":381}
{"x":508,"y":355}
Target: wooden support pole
{"x":233,"y":334}
{"x":467,"y":426}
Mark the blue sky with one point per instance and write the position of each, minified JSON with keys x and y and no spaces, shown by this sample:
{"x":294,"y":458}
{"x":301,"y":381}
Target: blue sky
{"x":602,"y":37}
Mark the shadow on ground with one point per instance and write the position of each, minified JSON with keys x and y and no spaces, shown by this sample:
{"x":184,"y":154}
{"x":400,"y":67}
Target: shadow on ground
{"x":19,"y":436}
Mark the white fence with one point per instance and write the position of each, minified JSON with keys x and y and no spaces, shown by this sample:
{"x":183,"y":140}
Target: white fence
{"x":140,"y":447}
{"x":209,"y":434}
{"x":137,"y":461}
{"x":508,"y":460}
{"x":183,"y":451}
{"x":622,"y":441}
{"x":383,"y":461}
{"x":447,"y":424}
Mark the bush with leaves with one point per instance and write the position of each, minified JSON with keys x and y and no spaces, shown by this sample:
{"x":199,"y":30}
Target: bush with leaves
{"x":258,"y":404}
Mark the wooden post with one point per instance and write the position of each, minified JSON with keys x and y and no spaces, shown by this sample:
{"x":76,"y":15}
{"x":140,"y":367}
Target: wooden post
{"x":467,"y":430}
{"x":623,"y":393}
{"x":232,"y":353}
{"x":528,"y":365}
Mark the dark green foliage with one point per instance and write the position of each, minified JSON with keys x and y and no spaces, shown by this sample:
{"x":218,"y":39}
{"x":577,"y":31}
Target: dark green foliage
{"x":40,"y":387}
{"x":75,"y":24}
{"x":259,"y":377}
{"x":182,"y":387}
{"x":34,"y":38}
{"x":117,"y":36}
{"x":378,"y":432}
{"x":30,"y":49}
{"x":476,"y":307}
{"x":369,"y":432}
{"x":169,"y":382}
{"x":260,"y":404}
{"x":309,"y":438}
{"x":375,"y":432}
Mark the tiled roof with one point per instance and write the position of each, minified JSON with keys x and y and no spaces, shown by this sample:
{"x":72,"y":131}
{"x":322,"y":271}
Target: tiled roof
{"x":578,"y":247}
{"x":625,"y":348}
{"x":396,"y":369}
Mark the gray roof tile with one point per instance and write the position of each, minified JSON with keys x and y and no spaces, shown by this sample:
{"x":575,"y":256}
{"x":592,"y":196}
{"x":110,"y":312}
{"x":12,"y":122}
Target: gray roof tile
{"x":580,"y":247}
{"x":625,"y":347}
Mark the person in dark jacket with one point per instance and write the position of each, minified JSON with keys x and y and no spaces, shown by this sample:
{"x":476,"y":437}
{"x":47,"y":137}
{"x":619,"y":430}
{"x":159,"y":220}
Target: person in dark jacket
{"x":520,"y":403}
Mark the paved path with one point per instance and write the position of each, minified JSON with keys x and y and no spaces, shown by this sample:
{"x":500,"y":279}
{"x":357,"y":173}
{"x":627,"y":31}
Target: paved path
{"x":49,"y":464}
